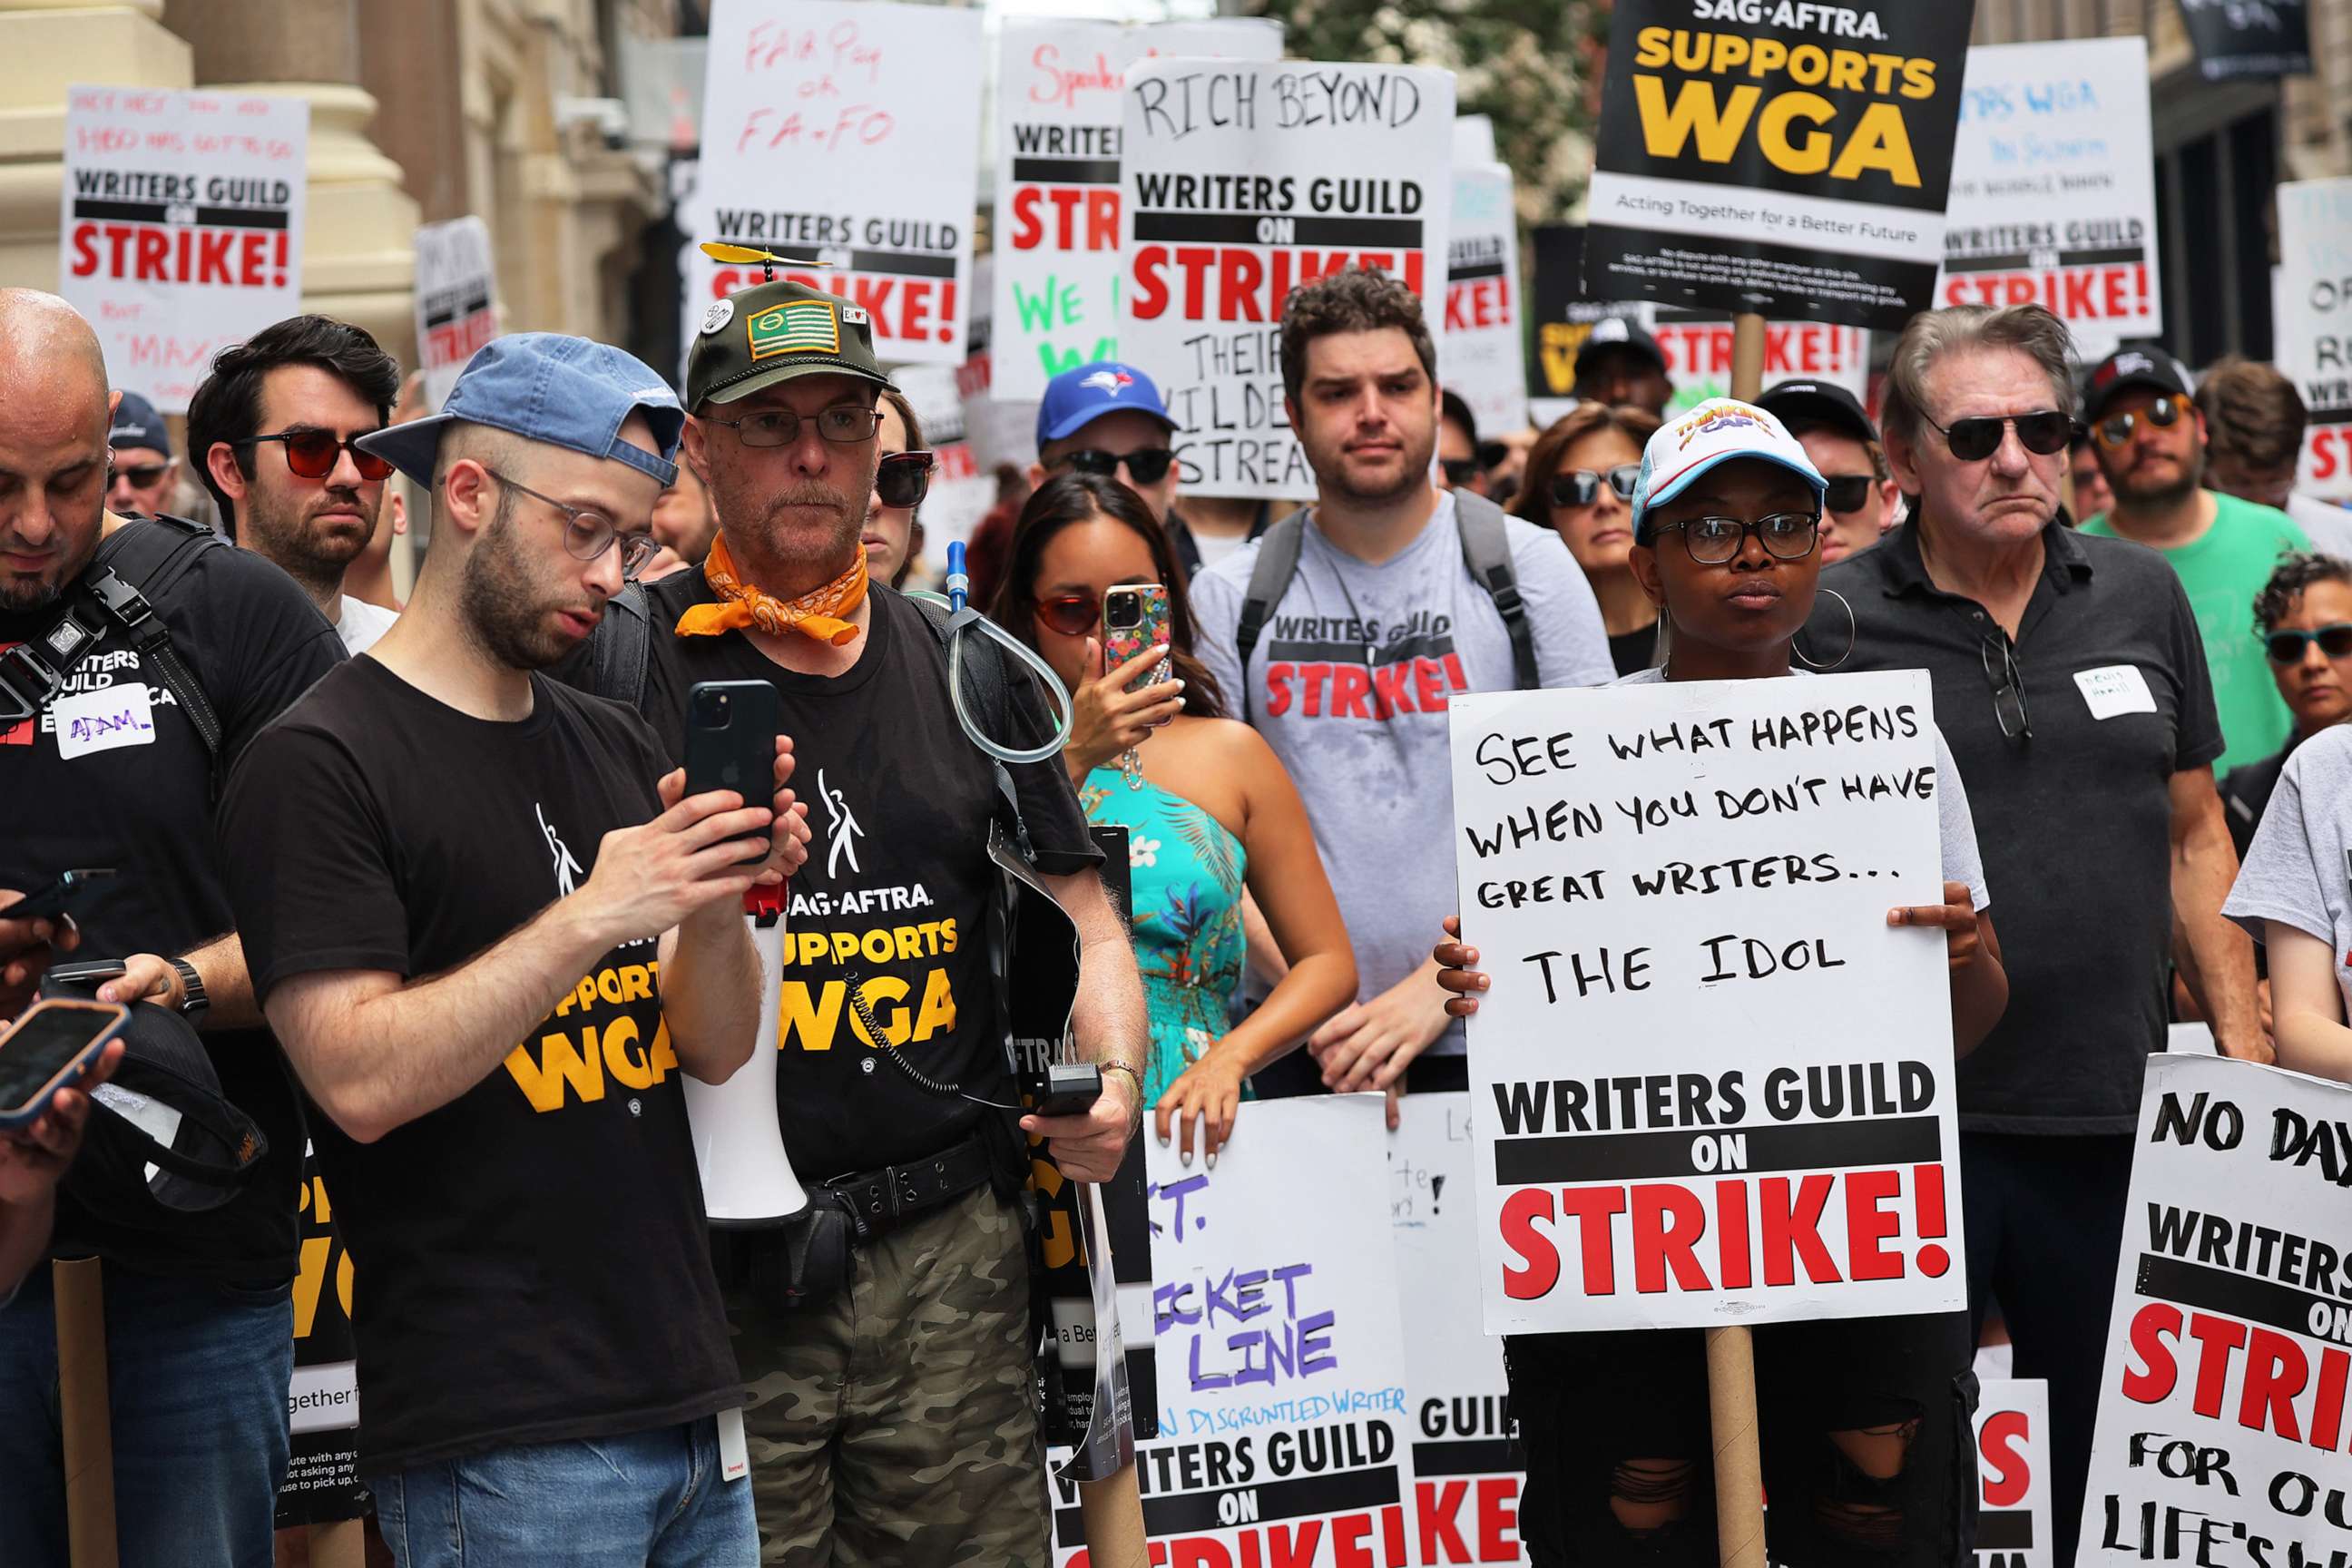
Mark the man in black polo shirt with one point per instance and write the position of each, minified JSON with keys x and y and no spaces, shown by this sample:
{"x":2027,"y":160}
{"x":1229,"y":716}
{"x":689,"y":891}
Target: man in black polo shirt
{"x":2071,"y":683}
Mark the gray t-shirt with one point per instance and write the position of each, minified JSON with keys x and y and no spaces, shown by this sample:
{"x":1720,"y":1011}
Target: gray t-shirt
{"x":1348,"y":684}
{"x":2297,"y":870}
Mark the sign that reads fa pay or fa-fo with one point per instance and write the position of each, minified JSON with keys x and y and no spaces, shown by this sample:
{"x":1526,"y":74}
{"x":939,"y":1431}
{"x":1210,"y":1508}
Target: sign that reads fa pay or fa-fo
{"x":2315,"y":326}
{"x":1776,"y":157}
{"x":1673,"y":886}
{"x":1241,"y":182}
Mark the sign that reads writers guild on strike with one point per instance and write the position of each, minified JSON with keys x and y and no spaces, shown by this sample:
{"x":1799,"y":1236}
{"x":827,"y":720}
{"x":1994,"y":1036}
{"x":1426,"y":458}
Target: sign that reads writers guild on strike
{"x":1711,"y":1084}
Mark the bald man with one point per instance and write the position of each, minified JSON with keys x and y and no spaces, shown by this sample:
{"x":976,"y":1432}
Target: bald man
{"x":104,"y":763}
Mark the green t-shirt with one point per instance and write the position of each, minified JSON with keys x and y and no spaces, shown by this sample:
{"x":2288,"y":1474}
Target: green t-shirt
{"x":2222,"y":572}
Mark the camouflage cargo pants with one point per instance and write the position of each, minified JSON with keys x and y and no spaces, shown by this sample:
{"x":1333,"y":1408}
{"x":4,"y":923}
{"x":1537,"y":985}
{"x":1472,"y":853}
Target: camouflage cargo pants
{"x":894,"y":1424}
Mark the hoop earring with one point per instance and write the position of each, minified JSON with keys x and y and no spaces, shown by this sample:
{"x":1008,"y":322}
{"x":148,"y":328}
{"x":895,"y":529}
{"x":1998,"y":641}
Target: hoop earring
{"x":1852,"y":633}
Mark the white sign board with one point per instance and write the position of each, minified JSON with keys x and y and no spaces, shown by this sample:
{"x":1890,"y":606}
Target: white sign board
{"x":180,"y":227}
{"x":1241,"y":182}
{"x":1673,"y":885}
{"x":1698,"y":355}
{"x":456,"y":301}
{"x":2054,"y":189}
{"x":2314,"y":325}
{"x":1001,"y":429}
{"x":961,"y":491}
{"x":2014,"y":1474}
{"x":1486,"y":316}
{"x":838,"y":132}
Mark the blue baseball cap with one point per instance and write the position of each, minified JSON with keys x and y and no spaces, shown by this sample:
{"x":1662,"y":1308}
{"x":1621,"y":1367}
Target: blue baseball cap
{"x":1709,"y":435}
{"x":1077,"y":397}
{"x":551,"y":387}
{"x":136,"y":424}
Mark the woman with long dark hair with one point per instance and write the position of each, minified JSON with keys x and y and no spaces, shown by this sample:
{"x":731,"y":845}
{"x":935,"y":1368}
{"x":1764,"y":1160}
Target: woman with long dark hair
{"x":1207,"y":807}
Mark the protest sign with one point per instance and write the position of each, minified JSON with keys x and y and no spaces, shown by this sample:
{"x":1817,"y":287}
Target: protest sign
{"x":2315,"y":326}
{"x":1057,"y":188}
{"x":2014,"y":1474}
{"x":181,"y":230}
{"x":1788,"y":160}
{"x":1684,"y":880}
{"x":323,"y":1404}
{"x":826,"y":126}
{"x":1564,"y":315}
{"x":456,"y":301}
{"x":961,"y":491}
{"x":1484,"y":359}
{"x":1001,"y":429}
{"x":1698,"y":347}
{"x":2054,"y":189}
{"x":1467,"y":1478}
{"x":1284,"y":1436}
{"x":1241,"y":182}
{"x":2236,"y":38}
{"x":2222,"y":1428}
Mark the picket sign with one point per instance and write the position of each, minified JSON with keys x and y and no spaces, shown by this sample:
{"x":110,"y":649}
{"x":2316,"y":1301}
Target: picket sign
{"x":2315,"y":326}
{"x":2014,"y":1474}
{"x":1484,"y":311}
{"x":456,"y":301}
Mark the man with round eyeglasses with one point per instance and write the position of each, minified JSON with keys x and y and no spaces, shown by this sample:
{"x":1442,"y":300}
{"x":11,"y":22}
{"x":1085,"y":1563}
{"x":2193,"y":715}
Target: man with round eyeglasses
{"x":2071,"y":683}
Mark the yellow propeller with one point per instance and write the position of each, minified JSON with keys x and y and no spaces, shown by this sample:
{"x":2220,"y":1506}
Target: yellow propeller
{"x":734,"y":255}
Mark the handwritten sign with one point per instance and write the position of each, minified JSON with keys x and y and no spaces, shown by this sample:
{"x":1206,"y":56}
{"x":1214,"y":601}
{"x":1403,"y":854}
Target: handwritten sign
{"x":456,"y":301}
{"x":2054,"y":189}
{"x":836,"y":131}
{"x":1484,"y":314}
{"x":2314,"y":325}
{"x":323,"y":1404}
{"x":1673,"y":886}
{"x":2222,"y":1427}
{"x":1241,"y":182}
{"x":2014,"y":1474}
{"x":181,"y":229}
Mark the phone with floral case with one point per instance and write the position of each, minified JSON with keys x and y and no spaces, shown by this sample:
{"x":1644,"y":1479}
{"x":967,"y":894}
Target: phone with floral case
{"x":1135,"y":617}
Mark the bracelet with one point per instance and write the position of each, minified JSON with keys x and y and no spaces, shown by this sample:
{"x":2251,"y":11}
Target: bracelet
{"x":1136,"y":1077}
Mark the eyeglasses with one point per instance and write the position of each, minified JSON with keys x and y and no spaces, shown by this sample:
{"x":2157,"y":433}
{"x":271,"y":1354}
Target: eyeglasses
{"x":1785,"y":536}
{"x":1974,"y":440}
{"x":311,"y":454}
{"x":1582,"y":487}
{"x":1848,"y":492}
{"x":2008,"y":683}
{"x":845,"y":424}
{"x":1072,"y":614}
{"x":587,"y":535}
{"x":1145,"y":465}
{"x":2117,"y":429}
{"x":903,"y":478}
{"x":1460,"y":470}
{"x":2335,"y":640}
{"x":144,"y":475}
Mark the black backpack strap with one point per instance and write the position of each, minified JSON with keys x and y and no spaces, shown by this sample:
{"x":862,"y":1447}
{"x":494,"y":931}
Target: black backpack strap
{"x":1278,"y":559}
{"x":148,"y":557}
{"x":1486,"y":551}
{"x":621,"y":646}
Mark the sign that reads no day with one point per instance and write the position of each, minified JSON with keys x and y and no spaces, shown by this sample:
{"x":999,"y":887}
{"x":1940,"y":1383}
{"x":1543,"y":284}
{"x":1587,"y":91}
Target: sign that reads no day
{"x":1484,"y":314}
{"x":840,"y":133}
{"x":1673,"y":886}
{"x":181,"y":229}
{"x":456,"y":301}
{"x":2314,"y":325}
{"x":1241,"y":182}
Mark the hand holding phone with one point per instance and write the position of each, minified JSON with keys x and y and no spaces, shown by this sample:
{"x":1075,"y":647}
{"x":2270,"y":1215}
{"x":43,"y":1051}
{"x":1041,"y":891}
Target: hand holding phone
{"x":1135,"y":617}
{"x":52,"y":902}
{"x":49,"y":1049}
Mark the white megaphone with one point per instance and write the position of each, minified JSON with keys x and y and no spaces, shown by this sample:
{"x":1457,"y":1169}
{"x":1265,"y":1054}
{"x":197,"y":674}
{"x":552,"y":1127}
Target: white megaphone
{"x":747,"y":1180}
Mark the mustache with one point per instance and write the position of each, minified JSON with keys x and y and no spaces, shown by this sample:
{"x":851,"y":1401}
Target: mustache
{"x":808,"y":495}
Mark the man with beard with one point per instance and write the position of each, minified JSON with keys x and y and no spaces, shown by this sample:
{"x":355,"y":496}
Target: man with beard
{"x":540,"y":879}
{"x":274,"y":430}
{"x":1377,"y":619}
{"x":2150,"y":442}
{"x":116,"y":717}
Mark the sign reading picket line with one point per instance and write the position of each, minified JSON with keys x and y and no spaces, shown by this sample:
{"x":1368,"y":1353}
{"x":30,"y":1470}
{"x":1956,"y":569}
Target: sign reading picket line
{"x":1284,"y":1436}
{"x":456,"y":301}
{"x":2054,"y":189}
{"x":826,"y":130}
{"x":1791,"y":160}
{"x":181,"y":229}
{"x":2222,"y":1420}
{"x":1057,"y":157}
{"x":322,"y":1403}
{"x":2014,"y":1474}
{"x":1241,"y":182}
{"x":1466,"y":1477}
{"x":2236,"y":38}
{"x":1673,"y":887}
{"x":1484,"y":357}
{"x":2315,"y":326}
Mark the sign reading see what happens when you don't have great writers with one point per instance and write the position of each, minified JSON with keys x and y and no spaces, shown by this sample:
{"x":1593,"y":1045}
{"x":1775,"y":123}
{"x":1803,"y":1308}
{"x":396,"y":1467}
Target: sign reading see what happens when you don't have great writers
{"x":1712,"y":1084}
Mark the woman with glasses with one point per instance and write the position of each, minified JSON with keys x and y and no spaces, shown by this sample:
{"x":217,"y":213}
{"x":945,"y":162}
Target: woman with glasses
{"x":1580,"y":483}
{"x":1207,"y":807}
{"x":1869,"y":1457}
{"x":893,"y":533}
{"x":2303,"y":618}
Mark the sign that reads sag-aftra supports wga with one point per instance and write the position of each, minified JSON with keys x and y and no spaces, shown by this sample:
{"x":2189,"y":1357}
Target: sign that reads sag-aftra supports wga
{"x":1784,"y":158}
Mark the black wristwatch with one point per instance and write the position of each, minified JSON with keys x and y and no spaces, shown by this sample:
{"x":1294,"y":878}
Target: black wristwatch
{"x":192,"y":999}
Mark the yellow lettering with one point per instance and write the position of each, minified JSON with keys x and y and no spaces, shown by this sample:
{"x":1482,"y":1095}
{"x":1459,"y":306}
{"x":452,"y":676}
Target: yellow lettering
{"x":946,"y":936}
{"x":1809,"y":156}
{"x":623,"y":1060}
{"x":813,"y":1027}
{"x":1768,"y":56}
{"x":1880,"y":142}
{"x":1693,"y":115}
{"x":1847,"y":70}
{"x":888,"y":987}
{"x":875,"y":945}
{"x":910,"y":941}
{"x":1918,"y":78}
{"x":608,"y":986}
{"x":845,"y":946}
{"x":637,"y":984}
{"x":542,"y":1082}
{"x":1730,"y":50}
{"x":664,"y":1058}
{"x":1807,"y":64}
{"x":1649,"y":48}
{"x":938,"y":1006}
{"x":809,"y":947}
{"x":308,"y":1280}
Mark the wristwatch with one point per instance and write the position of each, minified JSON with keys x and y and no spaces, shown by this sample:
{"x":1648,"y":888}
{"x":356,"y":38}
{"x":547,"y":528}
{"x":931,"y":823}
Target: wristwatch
{"x":193,"y":998}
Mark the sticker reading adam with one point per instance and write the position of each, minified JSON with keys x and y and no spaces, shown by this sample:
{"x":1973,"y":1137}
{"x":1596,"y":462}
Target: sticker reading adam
{"x":805,"y":326}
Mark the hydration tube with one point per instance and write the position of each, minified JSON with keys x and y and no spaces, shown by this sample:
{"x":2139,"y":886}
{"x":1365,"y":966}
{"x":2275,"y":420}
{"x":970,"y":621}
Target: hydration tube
{"x":958,"y":586}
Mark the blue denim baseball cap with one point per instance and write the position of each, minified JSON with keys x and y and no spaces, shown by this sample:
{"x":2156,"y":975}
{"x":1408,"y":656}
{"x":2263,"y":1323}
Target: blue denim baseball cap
{"x":1077,"y":397}
{"x":547,"y":386}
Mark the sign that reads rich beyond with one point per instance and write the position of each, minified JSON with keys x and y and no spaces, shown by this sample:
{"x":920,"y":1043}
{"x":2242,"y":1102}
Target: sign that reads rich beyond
{"x":1243,"y":182}
{"x":2315,"y":326}
{"x":1781,"y":158}
{"x":1673,"y":887}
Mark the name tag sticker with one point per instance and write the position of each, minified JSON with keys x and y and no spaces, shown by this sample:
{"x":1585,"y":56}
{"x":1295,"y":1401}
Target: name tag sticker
{"x":734,"y":1454}
{"x":103,"y":721}
{"x":2115,"y":690}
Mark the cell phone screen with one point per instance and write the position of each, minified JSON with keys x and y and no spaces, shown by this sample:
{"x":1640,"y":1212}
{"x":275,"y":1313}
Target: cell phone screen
{"x":40,"y":1046}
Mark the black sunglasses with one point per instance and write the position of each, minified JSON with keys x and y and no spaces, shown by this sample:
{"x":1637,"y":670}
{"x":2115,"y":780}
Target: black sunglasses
{"x":311,"y":454}
{"x":2117,"y":429}
{"x":143,"y":474}
{"x":2335,"y":640}
{"x":1582,"y":487}
{"x":903,"y":478}
{"x":1848,"y":492}
{"x":1145,"y":465}
{"x":2008,"y":683}
{"x":1974,"y":440}
{"x":1460,"y":470}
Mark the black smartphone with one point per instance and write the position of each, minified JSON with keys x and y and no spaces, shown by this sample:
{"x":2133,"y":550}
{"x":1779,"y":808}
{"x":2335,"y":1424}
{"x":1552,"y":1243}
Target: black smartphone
{"x":730,"y":744}
{"x":51,"y":902}
{"x":86,"y":975}
{"x":46,"y":1050}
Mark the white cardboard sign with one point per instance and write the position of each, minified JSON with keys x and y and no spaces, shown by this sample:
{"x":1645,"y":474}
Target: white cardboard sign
{"x":456,"y":301}
{"x":1486,"y":315}
{"x":2315,"y":326}
{"x":2014,"y":1474}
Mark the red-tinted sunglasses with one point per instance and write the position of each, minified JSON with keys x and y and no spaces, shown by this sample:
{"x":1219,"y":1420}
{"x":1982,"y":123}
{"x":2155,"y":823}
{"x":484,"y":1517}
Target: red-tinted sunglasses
{"x":311,"y":454}
{"x":1072,"y":614}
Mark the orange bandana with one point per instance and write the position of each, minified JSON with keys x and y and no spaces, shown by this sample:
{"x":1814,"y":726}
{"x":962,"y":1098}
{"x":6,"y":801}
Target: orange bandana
{"x":823,"y":614}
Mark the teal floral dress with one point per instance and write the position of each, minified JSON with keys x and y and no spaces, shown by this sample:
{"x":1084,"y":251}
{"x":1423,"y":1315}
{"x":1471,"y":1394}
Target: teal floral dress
{"x":1187,"y":873}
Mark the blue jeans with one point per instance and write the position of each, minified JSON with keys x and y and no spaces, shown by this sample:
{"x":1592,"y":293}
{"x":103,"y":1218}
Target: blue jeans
{"x":196,"y":1377}
{"x":651,"y":1500}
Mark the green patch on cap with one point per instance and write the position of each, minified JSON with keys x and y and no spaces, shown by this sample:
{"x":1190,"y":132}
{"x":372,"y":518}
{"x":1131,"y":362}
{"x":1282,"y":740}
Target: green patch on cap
{"x":800,"y":326}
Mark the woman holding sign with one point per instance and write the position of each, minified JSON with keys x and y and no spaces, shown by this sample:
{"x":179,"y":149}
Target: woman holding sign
{"x":1867,"y":1449}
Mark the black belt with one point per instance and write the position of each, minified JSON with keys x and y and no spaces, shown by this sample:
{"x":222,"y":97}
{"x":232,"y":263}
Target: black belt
{"x":880,"y":1202}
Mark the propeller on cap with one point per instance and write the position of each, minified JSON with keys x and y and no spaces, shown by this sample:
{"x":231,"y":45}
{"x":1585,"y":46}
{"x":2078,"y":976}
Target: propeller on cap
{"x":733,"y":255}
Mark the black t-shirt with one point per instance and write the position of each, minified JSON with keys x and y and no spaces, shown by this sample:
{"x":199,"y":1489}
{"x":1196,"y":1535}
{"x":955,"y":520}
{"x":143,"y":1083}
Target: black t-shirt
{"x":531,"y":1257}
{"x":896,"y":893}
{"x":2075,"y":823}
{"x":1634,"y":651}
{"x":254,"y":642}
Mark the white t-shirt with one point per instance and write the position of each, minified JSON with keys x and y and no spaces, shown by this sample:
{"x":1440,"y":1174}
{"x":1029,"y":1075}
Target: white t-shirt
{"x":361,"y":623}
{"x":2296,"y":871}
{"x":2329,"y":525}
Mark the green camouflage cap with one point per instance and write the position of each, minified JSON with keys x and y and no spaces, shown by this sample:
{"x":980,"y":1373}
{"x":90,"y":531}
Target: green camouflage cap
{"x":771,"y":332}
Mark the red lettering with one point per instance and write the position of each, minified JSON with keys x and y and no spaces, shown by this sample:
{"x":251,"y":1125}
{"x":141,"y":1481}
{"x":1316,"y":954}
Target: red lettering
{"x":2151,"y":1382}
{"x":1239,"y":273}
{"x":1392,"y":690}
{"x":1731,"y":1229}
{"x":1314,"y":677}
{"x":1437,"y":1507}
{"x":1277,"y":688}
{"x":154,"y":256}
{"x":1294,"y":1544}
{"x":1520,"y":1212}
{"x":2216,"y":1337}
{"x":1452,"y":662}
{"x":1027,"y":232}
{"x":1498,"y":1518}
{"x":1667,"y":1223}
{"x":1429,"y":695}
{"x":1792,"y":1228}
{"x":85,"y":252}
{"x":2275,"y":1372}
{"x":1150,"y":296}
{"x":2328,"y":1408}
{"x":1351,"y":685}
{"x":1347,"y":1548}
{"x":2001,"y":1444}
{"x":1592,"y":1208}
{"x":1867,"y":1223}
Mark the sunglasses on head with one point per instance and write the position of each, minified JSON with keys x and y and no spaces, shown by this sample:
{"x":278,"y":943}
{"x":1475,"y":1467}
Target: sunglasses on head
{"x":1582,"y":487}
{"x":1848,"y":492}
{"x":143,"y":475}
{"x":903,"y":478}
{"x":311,"y":454}
{"x":1974,"y":440}
{"x":2335,"y":640}
{"x":2117,"y":429}
{"x":1145,"y":466}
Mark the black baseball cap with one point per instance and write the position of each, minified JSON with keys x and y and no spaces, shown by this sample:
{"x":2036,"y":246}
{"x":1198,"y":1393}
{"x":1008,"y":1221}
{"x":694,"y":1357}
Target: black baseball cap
{"x":773,"y":333}
{"x":1819,"y":403}
{"x":1617,"y":332}
{"x":136,"y":424}
{"x":2145,"y":366}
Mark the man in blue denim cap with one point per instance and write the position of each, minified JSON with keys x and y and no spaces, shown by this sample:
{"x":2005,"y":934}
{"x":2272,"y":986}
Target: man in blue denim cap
{"x":481,"y":857}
